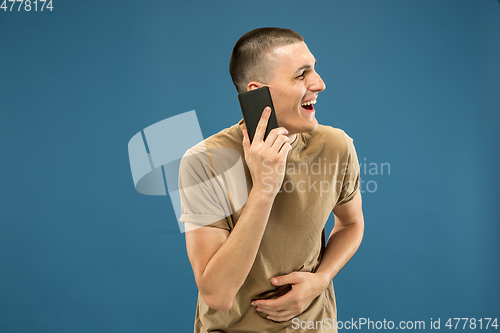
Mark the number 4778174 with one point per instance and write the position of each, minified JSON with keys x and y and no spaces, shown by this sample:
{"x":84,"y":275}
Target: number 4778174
{"x":28,"y":5}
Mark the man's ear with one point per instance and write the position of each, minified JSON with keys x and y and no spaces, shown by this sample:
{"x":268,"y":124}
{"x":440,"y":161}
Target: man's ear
{"x":252,"y":85}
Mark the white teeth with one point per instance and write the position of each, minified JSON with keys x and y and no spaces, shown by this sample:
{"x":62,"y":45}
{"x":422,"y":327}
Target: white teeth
{"x":309,"y":103}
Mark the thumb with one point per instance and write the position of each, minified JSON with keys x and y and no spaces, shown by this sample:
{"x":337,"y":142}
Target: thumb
{"x":246,"y":141}
{"x":291,"y":278}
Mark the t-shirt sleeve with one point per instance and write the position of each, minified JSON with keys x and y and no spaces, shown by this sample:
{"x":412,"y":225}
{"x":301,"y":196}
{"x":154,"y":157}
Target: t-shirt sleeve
{"x":203,"y":195}
{"x":350,"y":170}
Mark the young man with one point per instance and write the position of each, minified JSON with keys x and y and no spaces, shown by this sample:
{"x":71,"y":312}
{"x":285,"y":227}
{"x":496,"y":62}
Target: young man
{"x":265,"y":267}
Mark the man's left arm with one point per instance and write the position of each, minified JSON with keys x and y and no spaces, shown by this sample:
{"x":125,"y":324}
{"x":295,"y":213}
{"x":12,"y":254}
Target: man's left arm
{"x":344,"y":239}
{"x":343,"y":242}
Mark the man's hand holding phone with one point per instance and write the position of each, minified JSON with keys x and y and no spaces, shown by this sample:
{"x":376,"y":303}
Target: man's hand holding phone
{"x":266,"y":159}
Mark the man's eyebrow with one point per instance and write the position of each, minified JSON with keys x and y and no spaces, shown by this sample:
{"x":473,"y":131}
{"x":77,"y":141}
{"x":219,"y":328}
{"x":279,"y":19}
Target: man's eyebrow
{"x":305,"y":67}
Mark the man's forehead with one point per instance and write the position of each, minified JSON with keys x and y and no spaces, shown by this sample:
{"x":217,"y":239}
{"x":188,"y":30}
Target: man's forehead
{"x":296,"y":55}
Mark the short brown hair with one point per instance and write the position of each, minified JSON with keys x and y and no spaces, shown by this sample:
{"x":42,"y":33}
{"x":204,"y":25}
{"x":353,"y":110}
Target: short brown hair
{"x":247,"y":61}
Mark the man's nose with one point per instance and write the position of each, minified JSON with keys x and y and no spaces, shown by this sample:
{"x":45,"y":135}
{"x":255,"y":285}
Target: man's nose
{"x":317,"y":83}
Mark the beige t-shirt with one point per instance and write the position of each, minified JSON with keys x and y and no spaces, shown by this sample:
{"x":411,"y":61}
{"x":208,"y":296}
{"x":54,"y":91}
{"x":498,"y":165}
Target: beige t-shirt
{"x":322,"y":171}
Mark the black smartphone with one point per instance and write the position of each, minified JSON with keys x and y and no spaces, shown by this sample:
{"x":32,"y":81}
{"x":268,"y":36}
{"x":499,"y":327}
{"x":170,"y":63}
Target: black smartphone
{"x":252,"y":104}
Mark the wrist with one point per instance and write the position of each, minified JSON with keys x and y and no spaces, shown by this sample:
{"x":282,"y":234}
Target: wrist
{"x":261,"y":198}
{"x":324,"y":280}
{"x":263,"y":191}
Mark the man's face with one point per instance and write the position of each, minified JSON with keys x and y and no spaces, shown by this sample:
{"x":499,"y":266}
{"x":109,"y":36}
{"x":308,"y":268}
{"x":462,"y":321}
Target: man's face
{"x":293,"y":83}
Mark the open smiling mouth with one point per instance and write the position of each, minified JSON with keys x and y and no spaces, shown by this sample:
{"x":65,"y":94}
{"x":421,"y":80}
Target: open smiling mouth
{"x":309,"y":105}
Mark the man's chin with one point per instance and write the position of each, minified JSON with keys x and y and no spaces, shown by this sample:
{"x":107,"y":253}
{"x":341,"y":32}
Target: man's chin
{"x":310,"y":122}
{"x":313,"y":127}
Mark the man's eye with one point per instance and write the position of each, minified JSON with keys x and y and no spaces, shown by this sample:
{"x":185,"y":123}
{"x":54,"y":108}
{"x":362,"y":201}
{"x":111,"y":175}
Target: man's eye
{"x":301,"y":76}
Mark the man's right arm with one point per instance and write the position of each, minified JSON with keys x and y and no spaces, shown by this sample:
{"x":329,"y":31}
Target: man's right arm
{"x":221,"y":260}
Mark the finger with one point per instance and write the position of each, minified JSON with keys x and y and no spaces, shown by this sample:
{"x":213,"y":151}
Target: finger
{"x":274,"y":134}
{"x":262,"y":125}
{"x":268,"y":312}
{"x":292,"y":278}
{"x":278,"y":143}
{"x":281,"y":313}
{"x":277,"y":304}
{"x":285,"y":149}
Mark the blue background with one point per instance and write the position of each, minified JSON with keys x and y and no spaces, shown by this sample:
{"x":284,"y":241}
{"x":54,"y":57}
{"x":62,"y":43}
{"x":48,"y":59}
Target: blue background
{"x":415,"y":83}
